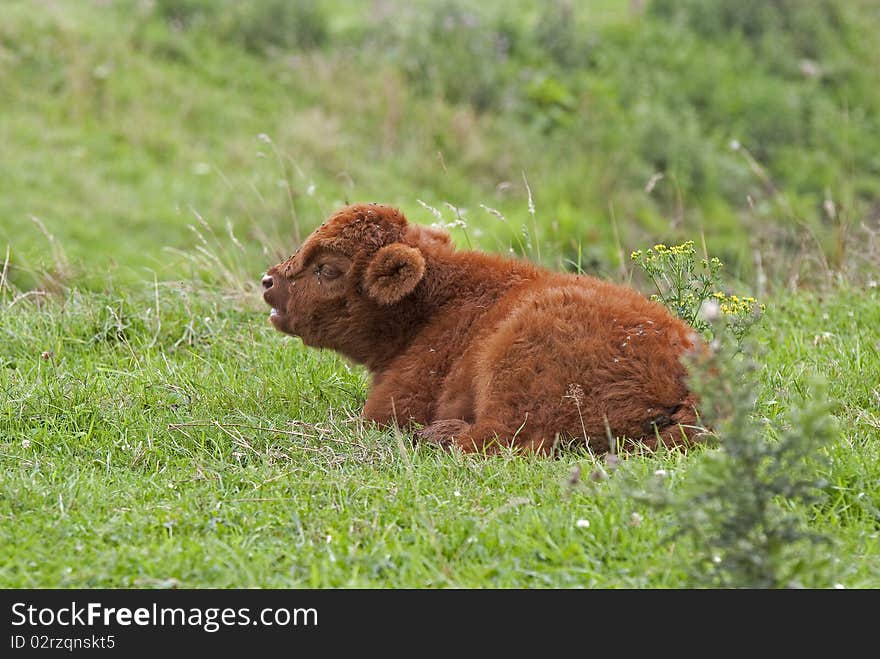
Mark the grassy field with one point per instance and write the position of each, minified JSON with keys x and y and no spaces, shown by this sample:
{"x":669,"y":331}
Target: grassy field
{"x":187,"y":443}
{"x":157,"y":157}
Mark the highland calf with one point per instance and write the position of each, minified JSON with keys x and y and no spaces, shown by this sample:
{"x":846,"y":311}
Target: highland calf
{"x":478,"y":351}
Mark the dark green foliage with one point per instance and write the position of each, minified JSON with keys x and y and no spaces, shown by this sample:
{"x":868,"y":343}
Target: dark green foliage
{"x":780,"y":29}
{"x":278,"y":24}
{"x":556,"y":34}
{"x":258,"y":26}
{"x":456,"y":53}
{"x":184,"y":14}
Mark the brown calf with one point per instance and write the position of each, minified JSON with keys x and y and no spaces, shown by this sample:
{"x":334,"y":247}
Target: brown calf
{"x":475,"y":350}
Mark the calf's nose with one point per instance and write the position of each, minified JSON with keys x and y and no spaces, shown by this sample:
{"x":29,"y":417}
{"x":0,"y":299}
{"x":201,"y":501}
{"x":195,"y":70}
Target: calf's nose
{"x":267,"y":282}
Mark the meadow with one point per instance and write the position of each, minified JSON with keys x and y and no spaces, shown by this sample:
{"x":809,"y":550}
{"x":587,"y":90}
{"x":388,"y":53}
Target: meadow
{"x":157,"y":157}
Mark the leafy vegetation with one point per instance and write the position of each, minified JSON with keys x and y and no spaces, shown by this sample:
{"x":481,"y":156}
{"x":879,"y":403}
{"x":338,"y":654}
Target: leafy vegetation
{"x":727,"y":517}
{"x":687,"y":285}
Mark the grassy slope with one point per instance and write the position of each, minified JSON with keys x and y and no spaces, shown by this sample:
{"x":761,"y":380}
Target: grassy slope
{"x":118,"y":130}
{"x":98,"y":488}
{"x":116,"y":133}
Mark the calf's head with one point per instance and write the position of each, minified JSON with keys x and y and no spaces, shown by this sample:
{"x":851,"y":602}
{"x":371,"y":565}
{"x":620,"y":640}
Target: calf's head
{"x":356,"y":271}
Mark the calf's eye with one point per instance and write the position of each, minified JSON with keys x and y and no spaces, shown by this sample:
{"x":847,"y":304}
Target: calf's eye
{"x":326,"y":271}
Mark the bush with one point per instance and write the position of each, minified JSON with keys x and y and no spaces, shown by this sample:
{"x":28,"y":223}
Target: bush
{"x":185,"y":14}
{"x":257,"y":26}
{"x":456,"y":53}
{"x":781,"y":29}
{"x":300,"y":25}
{"x":739,"y":520}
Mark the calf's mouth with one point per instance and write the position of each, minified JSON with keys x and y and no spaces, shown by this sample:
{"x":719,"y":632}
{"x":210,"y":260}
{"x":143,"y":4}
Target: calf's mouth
{"x":271,"y":291}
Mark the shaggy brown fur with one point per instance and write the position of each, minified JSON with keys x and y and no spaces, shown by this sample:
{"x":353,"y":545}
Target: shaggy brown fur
{"x":476,"y":350}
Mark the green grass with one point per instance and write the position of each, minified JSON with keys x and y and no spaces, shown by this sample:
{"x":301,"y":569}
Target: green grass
{"x":122,"y":123}
{"x":190,"y":444}
{"x":157,"y":157}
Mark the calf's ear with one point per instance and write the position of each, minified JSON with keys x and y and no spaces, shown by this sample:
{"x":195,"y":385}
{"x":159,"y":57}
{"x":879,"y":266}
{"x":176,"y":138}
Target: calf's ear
{"x":393,"y":273}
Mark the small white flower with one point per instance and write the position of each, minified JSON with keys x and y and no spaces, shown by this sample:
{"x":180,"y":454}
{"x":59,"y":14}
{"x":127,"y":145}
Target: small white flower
{"x":201,"y":169}
{"x":839,"y":586}
{"x":735,"y":145}
{"x":25,"y":443}
{"x":456,"y":493}
{"x":810,"y":68}
{"x":102,"y":71}
{"x":582,"y":523}
{"x":264,"y":138}
{"x":661,"y":473}
{"x":635,"y":519}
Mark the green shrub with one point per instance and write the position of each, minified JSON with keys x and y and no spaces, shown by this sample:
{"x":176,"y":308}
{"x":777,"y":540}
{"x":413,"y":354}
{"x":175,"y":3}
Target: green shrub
{"x":189,"y":13}
{"x":740,"y":518}
{"x":781,"y":29}
{"x":455,"y":52}
{"x":300,"y":25}
{"x":255,"y":25}
{"x":735,"y":516}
